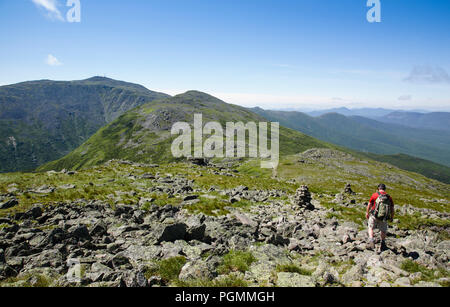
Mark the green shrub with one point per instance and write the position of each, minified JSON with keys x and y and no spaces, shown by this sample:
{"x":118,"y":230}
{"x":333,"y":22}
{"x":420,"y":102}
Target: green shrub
{"x":167,"y":269}
{"x":236,"y":261}
{"x":290,"y":268}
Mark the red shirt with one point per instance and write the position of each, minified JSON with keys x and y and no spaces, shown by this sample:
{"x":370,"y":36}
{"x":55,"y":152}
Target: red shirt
{"x":374,"y":198}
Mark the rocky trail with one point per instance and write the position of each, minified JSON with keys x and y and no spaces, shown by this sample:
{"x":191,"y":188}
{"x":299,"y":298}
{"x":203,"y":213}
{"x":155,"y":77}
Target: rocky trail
{"x":281,"y":240}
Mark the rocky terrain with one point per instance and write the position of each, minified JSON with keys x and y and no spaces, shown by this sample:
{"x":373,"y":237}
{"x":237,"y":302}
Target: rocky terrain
{"x":174,"y":230}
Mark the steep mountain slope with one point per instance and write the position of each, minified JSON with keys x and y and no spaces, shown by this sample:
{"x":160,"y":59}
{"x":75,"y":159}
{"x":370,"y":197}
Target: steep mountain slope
{"x":436,"y":120}
{"x":41,"y":121}
{"x":368,"y":135}
{"x":143,"y":134}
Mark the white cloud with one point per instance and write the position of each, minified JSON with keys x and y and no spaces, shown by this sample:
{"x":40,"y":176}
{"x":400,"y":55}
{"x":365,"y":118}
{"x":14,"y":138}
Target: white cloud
{"x":51,"y":6}
{"x":52,"y":61}
{"x":428,"y":74}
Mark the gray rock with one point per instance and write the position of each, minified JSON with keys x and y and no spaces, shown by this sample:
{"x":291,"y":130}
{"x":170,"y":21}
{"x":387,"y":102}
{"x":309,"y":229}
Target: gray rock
{"x":155,"y":281}
{"x":48,"y":258}
{"x":171,"y":233}
{"x":403,"y":282}
{"x":7,"y":271}
{"x":190,"y":197}
{"x":99,"y":229}
{"x":34,"y":212}
{"x":123,"y":209}
{"x":195,"y":251}
{"x":67,"y":187}
{"x":425,"y":284}
{"x":136,"y":279}
{"x":138,"y":216}
{"x":294,"y":280}
{"x":355,"y":273}
{"x":2,"y":256}
{"x":195,"y":270}
{"x":277,"y":239}
{"x":261,"y":272}
{"x":245,"y":220}
{"x":172,"y":249}
{"x":80,"y":232}
{"x":98,"y":272}
{"x":119,"y":261}
{"x":142,"y":254}
{"x":45,"y":189}
{"x":9,"y":204}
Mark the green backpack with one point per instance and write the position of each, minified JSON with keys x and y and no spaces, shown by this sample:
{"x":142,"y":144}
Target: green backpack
{"x":383,"y":207}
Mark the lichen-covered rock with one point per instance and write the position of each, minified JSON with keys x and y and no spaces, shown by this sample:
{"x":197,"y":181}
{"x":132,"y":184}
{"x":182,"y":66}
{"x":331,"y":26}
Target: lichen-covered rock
{"x":195,"y":270}
{"x":294,"y":280}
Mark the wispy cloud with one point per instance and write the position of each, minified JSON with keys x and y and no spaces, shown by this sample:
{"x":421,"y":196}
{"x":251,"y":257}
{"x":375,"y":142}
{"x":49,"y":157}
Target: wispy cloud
{"x":428,"y":74}
{"x":405,"y":98}
{"x":52,"y":61}
{"x":51,"y":7}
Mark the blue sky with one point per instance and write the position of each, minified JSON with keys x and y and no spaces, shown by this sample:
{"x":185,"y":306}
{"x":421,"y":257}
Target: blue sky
{"x":274,"y":54}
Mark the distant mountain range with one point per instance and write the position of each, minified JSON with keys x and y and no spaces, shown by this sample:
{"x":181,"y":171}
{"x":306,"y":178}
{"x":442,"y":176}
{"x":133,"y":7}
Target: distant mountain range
{"x":365,"y":112}
{"x":370,"y":136}
{"x":435,"y":120}
{"x":41,"y":121}
{"x":53,"y":125}
{"x":414,"y":118}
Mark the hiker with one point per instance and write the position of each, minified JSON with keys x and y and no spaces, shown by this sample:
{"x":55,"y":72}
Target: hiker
{"x":380,"y":210}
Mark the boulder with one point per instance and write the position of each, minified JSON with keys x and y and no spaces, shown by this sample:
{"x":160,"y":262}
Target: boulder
{"x":98,"y":272}
{"x":80,"y":232}
{"x":99,"y":229}
{"x":171,"y":233}
{"x":9,"y":204}
{"x":195,"y":270}
{"x":294,"y":280}
{"x":34,"y":212}
{"x":119,"y":261}
{"x":135,"y":279}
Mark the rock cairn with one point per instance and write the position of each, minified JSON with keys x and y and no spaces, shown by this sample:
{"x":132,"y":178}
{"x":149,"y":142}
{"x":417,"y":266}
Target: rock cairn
{"x":302,"y":198}
{"x":348,"y":189}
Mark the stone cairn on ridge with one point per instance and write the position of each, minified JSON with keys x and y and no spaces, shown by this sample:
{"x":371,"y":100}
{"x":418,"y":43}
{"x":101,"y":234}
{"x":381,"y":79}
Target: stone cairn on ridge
{"x":302,"y":198}
{"x":348,"y":189}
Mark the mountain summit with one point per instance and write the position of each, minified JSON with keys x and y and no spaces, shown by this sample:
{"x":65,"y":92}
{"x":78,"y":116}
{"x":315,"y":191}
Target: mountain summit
{"x":43,"y":120}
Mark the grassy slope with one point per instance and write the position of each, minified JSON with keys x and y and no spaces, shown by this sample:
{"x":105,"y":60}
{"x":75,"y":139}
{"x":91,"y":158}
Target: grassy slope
{"x":421,"y":166}
{"x":143,"y":134}
{"x":111,"y":182}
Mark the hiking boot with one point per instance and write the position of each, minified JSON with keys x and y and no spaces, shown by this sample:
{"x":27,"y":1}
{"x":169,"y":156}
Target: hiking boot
{"x":371,"y":245}
{"x":383,"y":246}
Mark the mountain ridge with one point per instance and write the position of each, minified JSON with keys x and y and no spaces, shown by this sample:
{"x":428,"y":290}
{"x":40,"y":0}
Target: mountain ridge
{"x":368,"y":135}
{"x":143,"y":134}
{"x":43,"y":120}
